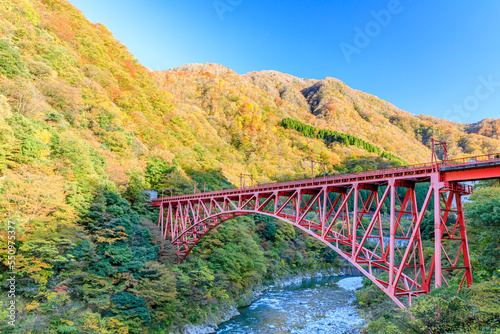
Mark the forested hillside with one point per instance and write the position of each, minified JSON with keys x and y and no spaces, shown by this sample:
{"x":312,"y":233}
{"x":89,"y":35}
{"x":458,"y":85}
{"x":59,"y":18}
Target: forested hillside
{"x":84,"y":128}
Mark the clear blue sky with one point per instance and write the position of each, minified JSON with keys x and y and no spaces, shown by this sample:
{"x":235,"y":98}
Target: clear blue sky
{"x":439,"y":58}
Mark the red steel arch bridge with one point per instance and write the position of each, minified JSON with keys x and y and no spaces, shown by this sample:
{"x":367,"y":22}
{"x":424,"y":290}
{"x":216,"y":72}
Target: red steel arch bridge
{"x":346,"y":213}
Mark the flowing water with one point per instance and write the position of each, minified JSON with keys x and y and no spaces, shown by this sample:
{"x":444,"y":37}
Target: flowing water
{"x":317,"y":305}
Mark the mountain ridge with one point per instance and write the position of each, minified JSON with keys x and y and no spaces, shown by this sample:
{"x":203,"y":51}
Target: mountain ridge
{"x":306,"y":95}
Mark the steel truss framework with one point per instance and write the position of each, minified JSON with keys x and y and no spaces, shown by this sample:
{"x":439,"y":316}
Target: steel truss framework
{"x":348,"y":218}
{"x":371,"y":219}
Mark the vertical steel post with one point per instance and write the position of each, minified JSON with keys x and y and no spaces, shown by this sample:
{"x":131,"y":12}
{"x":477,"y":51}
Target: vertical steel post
{"x":297,"y":206}
{"x":323,"y":210}
{"x":465,"y":244}
{"x":355,"y":219}
{"x":160,"y":218}
{"x":314,"y":163}
{"x":170,"y":222}
{"x":391,"y":238}
{"x":437,"y":233}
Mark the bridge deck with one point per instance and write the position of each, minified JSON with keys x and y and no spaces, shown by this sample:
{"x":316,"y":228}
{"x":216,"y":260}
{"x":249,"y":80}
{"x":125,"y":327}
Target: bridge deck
{"x":462,"y":169}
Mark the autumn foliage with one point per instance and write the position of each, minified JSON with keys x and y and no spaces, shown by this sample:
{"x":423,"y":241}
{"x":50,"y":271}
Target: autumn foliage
{"x":84,"y":128}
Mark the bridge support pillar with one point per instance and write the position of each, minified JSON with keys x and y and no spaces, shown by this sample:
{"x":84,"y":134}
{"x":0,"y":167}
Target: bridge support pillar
{"x":392,"y":235}
{"x":437,"y":235}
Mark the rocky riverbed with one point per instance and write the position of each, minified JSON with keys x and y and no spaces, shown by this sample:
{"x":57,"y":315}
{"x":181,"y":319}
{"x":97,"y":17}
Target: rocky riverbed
{"x":314,"y":306}
{"x":229,"y":313}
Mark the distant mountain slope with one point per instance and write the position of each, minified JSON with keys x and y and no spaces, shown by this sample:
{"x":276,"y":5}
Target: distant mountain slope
{"x":333,"y":106}
{"x":487,"y":127}
{"x":340,"y":108}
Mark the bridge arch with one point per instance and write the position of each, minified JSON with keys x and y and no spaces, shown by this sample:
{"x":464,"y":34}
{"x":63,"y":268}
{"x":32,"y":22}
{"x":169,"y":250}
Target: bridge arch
{"x":212,"y":222}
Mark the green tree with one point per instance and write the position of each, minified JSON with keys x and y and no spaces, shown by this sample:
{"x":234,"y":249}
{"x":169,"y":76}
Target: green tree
{"x":483,"y":213}
{"x":131,"y":310}
{"x":11,"y":63}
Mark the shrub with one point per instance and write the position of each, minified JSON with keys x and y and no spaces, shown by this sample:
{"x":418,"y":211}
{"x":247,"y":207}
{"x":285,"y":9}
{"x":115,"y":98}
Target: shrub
{"x":11,"y":63}
{"x":23,"y":96}
{"x":130,"y":308}
{"x":39,"y":69}
{"x":62,"y":97}
{"x":4,"y":107}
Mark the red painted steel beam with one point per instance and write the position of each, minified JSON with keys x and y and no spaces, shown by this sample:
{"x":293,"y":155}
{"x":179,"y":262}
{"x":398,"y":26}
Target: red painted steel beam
{"x":471,"y":174}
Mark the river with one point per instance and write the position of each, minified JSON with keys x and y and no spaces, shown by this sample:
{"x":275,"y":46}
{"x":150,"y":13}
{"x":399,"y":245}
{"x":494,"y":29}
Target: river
{"x":316,"y":306}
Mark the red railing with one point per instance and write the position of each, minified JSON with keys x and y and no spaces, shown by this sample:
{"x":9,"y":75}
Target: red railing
{"x":471,"y":160}
{"x":455,"y":186}
{"x":425,"y":167}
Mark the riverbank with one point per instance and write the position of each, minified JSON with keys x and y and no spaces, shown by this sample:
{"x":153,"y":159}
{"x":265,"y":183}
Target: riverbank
{"x":228,"y":311}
